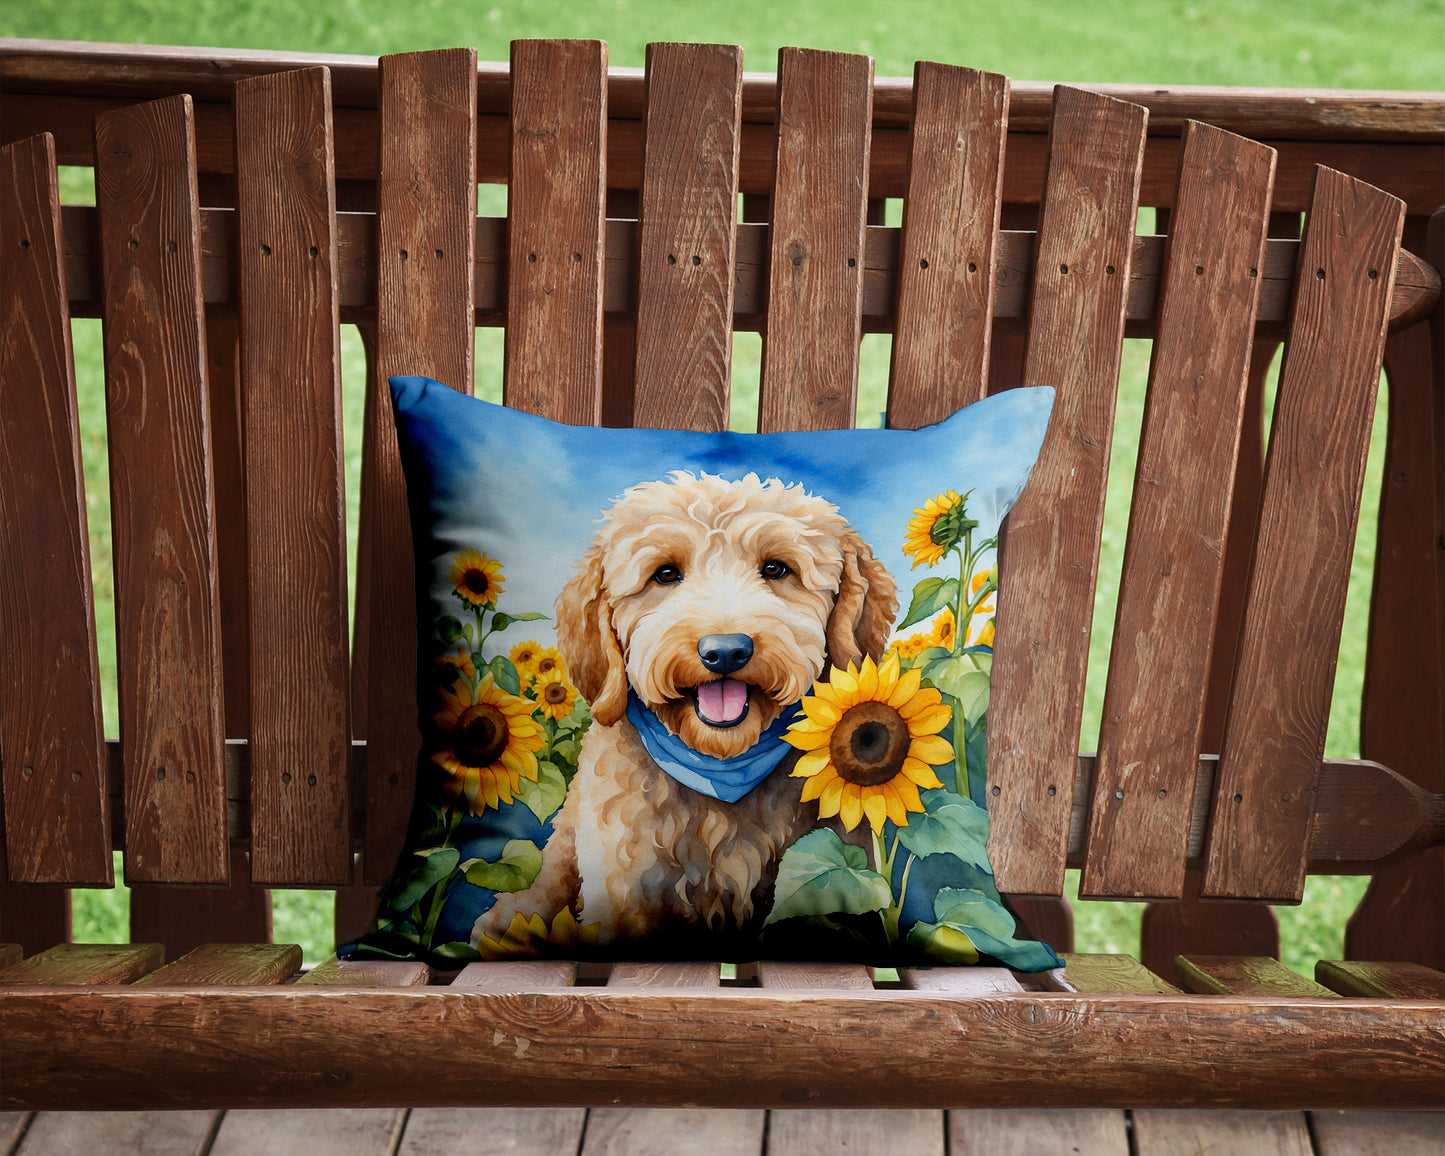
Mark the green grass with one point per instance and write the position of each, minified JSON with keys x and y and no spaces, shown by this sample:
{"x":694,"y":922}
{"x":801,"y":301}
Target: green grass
{"x":1322,"y":43}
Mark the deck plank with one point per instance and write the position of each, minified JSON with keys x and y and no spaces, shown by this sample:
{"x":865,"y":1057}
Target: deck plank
{"x":153,"y":1133}
{"x":1345,"y":1133}
{"x":309,"y":1132}
{"x":674,"y":1132}
{"x":1029,"y":1131}
{"x":856,"y":1131}
{"x":496,"y":1131}
{"x":1170,"y":1132}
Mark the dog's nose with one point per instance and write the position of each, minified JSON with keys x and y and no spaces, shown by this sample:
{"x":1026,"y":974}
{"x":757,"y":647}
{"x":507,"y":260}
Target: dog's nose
{"x":725,"y":653}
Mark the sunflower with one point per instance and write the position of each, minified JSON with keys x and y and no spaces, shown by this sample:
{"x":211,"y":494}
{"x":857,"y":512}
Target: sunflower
{"x":555,"y":695}
{"x":870,"y":740}
{"x":477,"y":578}
{"x":460,"y":660}
{"x":524,"y":658}
{"x":491,"y":742}
{"x":549,"y":662}
{"x":936,"y":528}
{"x":531,"y":938}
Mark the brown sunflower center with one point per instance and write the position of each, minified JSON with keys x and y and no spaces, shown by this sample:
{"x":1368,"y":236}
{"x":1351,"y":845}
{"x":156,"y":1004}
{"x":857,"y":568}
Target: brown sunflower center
{"x":480,"y":736}
{"x":869,"y":744}
{"x":476,"y":581}
{"x":547,"y":666}
{"x":554,"y":694}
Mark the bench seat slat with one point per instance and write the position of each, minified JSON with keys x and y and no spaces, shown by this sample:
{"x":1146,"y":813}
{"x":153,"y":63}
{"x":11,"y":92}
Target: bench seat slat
{"x":335,"y":972}
{"x":300,"y":756}
{"x":228,"y":963}
{"x":168,"y":644}
{"x":1243,"y":975}
{"x":1384,"y":980}
{"x":1153,"y":714}
{"x":1275,"y":732}
{"x":788,"y":975}
{"x":84,"y":964}
{"x":1049,"y":556}
{"x":1098,"y":972}
{"x":517,"y":975}
{"x":57,"y":824}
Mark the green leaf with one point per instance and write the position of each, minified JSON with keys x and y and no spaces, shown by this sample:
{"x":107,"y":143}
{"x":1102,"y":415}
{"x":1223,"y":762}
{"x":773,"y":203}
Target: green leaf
{"x":521,"y":860}
{"x":544,"y":796}
{"x":449,"y":628}
{"x":458,"y":950}
{"x":504,"y":674}
{"x":434,"y":866}
{"x":929,"y":597}
{"x":950,"y":824}
{"x":821,"y":875}
{"x":568,"y":750}
{"x":943,"y":942}
{"x":957,"y":677}
{"x":970,"y":908}
{"x":501,"y":621}
{"x":980,"y":921}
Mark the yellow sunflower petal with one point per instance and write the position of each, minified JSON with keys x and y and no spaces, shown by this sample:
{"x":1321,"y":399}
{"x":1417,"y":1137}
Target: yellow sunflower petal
{"x":876,"y":808}
{"x":813,"y":787}
{"x":925,"y":698}
{"x":897,"y":810}
{"x":808,"y":740}
{"x":920,"y":773}
{"x":810,"y":764}
{"x":868,"y":680}
{"x":851,"y":806}
{"x":930,"y":720}
{"x":931,"y":749}
{"x":831,"y":798}
{"x":489,"y":789}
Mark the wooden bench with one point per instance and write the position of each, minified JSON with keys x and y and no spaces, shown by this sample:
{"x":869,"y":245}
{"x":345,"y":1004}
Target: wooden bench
{"x":247,"y":204}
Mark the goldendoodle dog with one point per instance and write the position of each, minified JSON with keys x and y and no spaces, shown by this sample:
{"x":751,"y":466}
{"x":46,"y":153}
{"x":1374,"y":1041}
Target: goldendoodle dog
{"x":703,"y":610}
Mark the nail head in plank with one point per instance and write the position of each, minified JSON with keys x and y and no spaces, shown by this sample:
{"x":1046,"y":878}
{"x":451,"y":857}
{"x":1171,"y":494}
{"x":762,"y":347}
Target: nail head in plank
{"x":784,"y":974}
{"x":72,"y":964}
{"x":1032,"y":1131}
{"x":1356,"y":1133}
{"x":947,"y":266}
{"x":1050,"y":556}
{"x":555,"y":208}
{"x":426,"y":253}
{"x":664,"y":975}
{"x":1384,"y":980}
{"x":295,"y":498}
{"x":335,"y":972}
{"x":525,"y":1131}
{"x":228,"y":963}
{"x":1092,"y":972}
{"x":1243,"y":975}
{"x":517,"y":975}
{"x":687,"y":236}
{"x":168,"y":629}
{"x":1159,"y":1133}
{"x":808,"y":1131}
{"x":1275,"y":731}
{"x":57,"y":822}
{"x":175,"y":1133}
{"x":674,"y":1132}
{"x":1153,"y":714}
{"x":309,"y":1131}
{"x":959,"y":980}
{"x":816,"y":259}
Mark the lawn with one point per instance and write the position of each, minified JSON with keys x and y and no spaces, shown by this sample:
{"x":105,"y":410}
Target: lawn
{"x":1386,"y":44}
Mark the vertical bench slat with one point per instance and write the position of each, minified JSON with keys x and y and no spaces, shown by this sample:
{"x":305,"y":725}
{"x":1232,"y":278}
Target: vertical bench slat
{"x":425,"y":325}
{"x":1154,"y":701}
{"x":687,"y":236}
{"x":1275,"y":733}
{"x":815,"y":278}
{"x":948,"y":262}
{"x":1051,"y":552}
{"x":57,"y":821}
{"x":168,"y":634}
{"x":555,"y":222}
{"x":286,"y":219}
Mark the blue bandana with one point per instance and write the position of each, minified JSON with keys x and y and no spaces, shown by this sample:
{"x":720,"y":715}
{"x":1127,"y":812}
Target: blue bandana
{"x":725,"y":779}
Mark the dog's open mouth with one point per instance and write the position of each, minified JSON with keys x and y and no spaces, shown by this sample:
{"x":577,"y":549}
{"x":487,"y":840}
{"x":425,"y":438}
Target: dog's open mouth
{"x":721,"y":703}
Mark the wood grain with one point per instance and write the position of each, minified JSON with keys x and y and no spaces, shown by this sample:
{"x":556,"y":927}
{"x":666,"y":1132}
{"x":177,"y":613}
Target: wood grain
{"x":228,"y":963}
{"x":57,"y":823}
{"x":816,"y":260}
{"x":1384,"y":980}
{"x":555,"y":206}
{"x":1243,"y":975}
{"x":947,"y":266}
{"x":183,"y":917}
{"x":1049,"y":557}
{"x":295,"y":1046}
{"x":426,"y":217}
{"x":1341,"y":1133}
{"x":674,"y":1132}
{"x":354,"y":1131}
{"x":959,"y":980}
{"x":1192,"y":925}
{"x":34,"y":915}
{"x":1275,"y":732}
{"x":71,"y":964}
{"x":1168,"y":1132}
{"x":1097,"y":972}
{"x":783,"y":974}
{"x":687,"y":236}
{"x":295,"y":500}
{"x":154,"y":1133}
{"x":168,"y":630}
{"x":868,"y":1132}
{"x":1033,"y":1131}
{"x":522,"y":1131}
{"x":518,"y":975}
{"x":642,"y":975}
{"x":1153,"y":715}
{"x":335,"y":972}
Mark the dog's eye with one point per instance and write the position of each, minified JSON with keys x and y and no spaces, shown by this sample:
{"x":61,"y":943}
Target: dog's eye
{"x":773,"y":569}
{"x":667,"y":575}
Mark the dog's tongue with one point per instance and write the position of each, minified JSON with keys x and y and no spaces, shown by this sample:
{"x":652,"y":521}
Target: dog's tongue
{"x":722,"y":701}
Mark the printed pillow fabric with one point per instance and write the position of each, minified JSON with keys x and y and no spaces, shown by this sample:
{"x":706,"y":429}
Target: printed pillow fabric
{"x":703,"y":696}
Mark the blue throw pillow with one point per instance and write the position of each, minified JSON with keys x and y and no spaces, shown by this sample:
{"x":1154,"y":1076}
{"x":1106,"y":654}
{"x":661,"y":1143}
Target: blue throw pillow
{"x":713,"y":696}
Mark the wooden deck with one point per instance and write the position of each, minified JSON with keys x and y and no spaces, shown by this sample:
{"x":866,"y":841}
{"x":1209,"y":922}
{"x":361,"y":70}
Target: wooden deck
{"x":722,"y":1132}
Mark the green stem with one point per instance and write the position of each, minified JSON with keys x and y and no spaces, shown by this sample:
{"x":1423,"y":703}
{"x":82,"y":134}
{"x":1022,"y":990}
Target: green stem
{"x":883,"y":864}
{"x":903,"y":883}
{"x":439,"y":892}
{"x":960,"y":630}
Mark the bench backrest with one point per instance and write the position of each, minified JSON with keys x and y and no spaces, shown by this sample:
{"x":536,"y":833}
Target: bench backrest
{"x":242,"y":697}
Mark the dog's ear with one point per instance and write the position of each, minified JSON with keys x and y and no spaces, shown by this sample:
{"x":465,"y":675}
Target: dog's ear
{"x":867,"y":601}
{"x":588,"y":643}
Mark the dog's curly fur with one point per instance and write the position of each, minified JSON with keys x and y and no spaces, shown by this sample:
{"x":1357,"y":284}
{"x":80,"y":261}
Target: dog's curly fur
{"x":632,"y":849}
